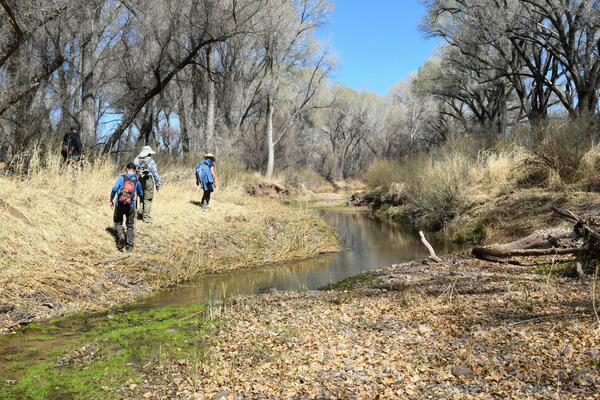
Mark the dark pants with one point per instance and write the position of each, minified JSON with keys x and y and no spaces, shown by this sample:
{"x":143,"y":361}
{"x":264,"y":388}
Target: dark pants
{"x":207,"y":189}
{"x":206,"y":197}
{"x":129,"y":213}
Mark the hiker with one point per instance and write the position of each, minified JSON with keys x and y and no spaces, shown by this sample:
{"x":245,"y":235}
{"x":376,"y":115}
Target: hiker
{"x":149,"y":179}
{"x":72,"y":147}
{"x":125,"y":188}
{"x":206,"y":177}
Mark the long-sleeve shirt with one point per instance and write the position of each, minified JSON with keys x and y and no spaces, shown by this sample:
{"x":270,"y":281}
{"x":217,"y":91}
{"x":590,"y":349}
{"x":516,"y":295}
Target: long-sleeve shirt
{"x":118,"y":187}
{"x":151,"y":167}
{"x":73,"y":143}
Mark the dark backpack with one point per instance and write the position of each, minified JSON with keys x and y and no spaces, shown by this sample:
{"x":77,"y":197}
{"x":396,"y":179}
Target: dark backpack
{"x":66,"y":146}
{"x":128,"y":190}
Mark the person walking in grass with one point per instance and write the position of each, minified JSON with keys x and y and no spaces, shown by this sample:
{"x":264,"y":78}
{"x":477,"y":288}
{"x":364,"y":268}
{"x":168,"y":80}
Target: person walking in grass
{"x":72,"y":147}
{"x":206,"y":177}
{"x":149,"y":179}
{"x":125,"y":189}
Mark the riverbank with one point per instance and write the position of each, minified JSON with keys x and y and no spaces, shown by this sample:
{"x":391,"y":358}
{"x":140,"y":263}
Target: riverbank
{"x":465,"y":329}
{"x":176,"y":324}
{"x":501,"y":217}
{"x":58,"y":254}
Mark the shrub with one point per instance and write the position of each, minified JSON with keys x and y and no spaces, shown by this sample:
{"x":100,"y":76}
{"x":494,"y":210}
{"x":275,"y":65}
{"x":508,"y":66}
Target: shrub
{"x":559,"y":147}
{"x":495,"y":168}
{"x":383,"y":174}
{"x":311,"y":180}
{"x":436,"y":187}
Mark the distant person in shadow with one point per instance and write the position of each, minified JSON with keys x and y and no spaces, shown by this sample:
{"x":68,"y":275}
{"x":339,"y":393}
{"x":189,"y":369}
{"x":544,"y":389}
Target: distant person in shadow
{"x":125,"y":189}
{"x":206,"y":178}
{"x":72,"y":146}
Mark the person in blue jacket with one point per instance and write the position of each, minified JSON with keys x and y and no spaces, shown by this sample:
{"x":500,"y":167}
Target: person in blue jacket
{"x":125,"y":189}
{"x":206,"y":177}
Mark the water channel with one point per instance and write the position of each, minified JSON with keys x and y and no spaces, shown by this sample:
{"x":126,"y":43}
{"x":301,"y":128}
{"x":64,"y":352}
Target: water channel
{"x":366,"y":244}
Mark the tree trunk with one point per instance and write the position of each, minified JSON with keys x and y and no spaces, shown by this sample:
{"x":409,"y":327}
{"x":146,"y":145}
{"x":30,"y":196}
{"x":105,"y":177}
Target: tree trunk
{"x":210,"y":102}
{"x":270,"y":142}
{"x":183,"y":126}
{"x":88,"y":104}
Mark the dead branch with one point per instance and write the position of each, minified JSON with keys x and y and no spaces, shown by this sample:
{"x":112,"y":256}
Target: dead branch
{"x":432,"y":255}
{"x":481,"y":252}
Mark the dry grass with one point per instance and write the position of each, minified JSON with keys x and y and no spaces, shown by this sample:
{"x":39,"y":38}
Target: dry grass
{"x":58,"y":255}
{"x":451,"y":180}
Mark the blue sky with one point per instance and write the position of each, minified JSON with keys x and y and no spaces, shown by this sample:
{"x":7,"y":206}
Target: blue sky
{"x":377,"y":42}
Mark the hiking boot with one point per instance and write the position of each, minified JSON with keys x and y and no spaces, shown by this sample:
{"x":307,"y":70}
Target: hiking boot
{"x":121,"y":241}
{"x":129,"y":249}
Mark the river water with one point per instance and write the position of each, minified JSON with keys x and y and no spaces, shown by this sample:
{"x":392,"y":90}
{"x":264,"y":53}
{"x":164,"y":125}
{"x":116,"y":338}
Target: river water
{"x":367,"y":244}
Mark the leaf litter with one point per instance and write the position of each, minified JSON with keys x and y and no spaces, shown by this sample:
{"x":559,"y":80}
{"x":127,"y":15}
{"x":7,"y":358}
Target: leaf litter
{"x":466,"y":329}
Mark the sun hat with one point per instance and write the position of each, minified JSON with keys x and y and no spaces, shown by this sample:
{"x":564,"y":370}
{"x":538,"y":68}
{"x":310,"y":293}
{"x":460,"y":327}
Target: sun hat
{"x":146,"y":151}
{"x":210,"y":155}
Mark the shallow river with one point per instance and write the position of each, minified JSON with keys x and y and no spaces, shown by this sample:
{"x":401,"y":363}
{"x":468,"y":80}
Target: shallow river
{"x":366,"y":244}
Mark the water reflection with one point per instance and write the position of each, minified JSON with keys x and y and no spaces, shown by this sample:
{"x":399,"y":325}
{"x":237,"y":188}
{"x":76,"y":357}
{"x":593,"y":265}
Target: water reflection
{"x":367,"y":243}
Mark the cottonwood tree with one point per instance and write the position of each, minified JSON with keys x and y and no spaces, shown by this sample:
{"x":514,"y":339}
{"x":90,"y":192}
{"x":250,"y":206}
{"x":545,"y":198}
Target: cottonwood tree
{"x":546,"y":49}
{"x":286,"y":45}
{"x":168,"y":47}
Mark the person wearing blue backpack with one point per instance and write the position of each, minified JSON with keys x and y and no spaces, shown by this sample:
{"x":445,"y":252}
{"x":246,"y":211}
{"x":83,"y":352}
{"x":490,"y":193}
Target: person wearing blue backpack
{"x":206,"y":177}
{"x":125,"y":189}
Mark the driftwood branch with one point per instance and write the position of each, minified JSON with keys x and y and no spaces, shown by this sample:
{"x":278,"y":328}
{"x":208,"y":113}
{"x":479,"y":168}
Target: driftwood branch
{"x":494,"y":252}
{"x":432,"y":255}
{"x":539,"y":243}
{"x":583,"y":241}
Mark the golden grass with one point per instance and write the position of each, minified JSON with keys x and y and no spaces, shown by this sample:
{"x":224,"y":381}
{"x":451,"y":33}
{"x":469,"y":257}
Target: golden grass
{"x":56,"y":246}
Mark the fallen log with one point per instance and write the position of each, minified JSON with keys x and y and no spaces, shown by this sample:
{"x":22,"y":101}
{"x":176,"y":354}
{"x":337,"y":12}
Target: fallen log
{"x":481,"y":252}
{"x":543,"y":242}
{"x":583,"y":241}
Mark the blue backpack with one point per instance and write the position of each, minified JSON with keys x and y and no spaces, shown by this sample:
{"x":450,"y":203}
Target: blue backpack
{"x":203,"y":171}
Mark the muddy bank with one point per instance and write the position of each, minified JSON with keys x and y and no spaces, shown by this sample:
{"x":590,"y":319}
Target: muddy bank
{"x":463,"y":330}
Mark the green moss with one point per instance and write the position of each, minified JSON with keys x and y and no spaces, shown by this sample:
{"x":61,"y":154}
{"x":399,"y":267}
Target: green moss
{"x":350,"y":283}
{"x":109,"y":354}
{"x":566,"y":269}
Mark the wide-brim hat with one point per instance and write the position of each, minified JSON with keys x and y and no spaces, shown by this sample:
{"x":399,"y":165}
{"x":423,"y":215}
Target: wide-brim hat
{"x":146,"y":151}
{"x":210,"y":155}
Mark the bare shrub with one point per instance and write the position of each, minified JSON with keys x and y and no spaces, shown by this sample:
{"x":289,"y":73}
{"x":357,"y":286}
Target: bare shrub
{"x":558,"y":149}
{"x":436,"y":188}
{"x":384,"y":174}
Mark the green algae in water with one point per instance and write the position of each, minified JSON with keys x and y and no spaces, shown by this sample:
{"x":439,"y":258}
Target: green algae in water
{"x":93,"y":356}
